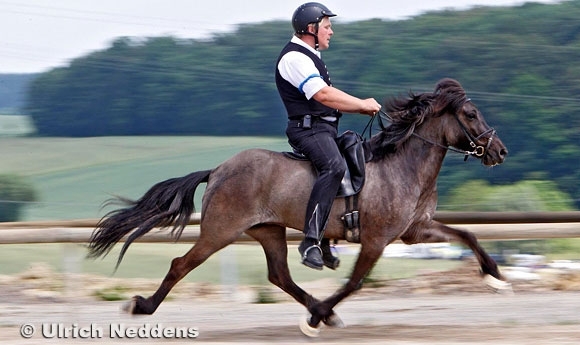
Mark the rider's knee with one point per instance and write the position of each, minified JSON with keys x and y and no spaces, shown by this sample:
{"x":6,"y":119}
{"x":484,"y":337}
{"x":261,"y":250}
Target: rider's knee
{"x":337,"y":168}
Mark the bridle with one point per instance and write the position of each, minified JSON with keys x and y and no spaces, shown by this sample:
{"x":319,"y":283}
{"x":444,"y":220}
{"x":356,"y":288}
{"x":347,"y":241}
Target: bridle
{"x":478,"y":150}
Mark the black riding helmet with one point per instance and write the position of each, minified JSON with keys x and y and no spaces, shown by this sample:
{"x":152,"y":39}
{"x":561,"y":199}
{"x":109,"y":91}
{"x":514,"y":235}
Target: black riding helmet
{"x":309,"y":13}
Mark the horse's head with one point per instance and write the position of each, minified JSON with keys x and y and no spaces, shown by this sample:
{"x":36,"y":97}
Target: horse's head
{"x":461,"y":127}
{"x":466,"y":128}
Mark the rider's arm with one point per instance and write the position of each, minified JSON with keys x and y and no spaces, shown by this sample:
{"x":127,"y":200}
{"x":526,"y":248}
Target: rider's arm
{"x":337,"y":99}
{"x":299,"y":70}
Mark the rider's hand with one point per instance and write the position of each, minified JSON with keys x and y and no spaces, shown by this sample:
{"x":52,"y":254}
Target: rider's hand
{"x":370,"y":107}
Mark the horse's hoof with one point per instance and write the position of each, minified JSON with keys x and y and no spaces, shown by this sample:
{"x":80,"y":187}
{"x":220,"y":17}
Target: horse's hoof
{"x":334,"y":321}
{"x":129,"y":306}
{"x":307,"y":330}
{"x":499,"y":286}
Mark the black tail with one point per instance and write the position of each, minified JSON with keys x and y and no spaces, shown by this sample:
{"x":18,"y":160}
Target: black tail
{"x":166,"y":203}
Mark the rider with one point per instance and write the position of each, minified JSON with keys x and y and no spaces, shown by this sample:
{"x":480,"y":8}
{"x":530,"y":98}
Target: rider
{"x":314,"y":107}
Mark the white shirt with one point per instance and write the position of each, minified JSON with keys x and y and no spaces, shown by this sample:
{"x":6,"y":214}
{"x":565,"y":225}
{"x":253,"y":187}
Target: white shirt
{"x":299,"y":70}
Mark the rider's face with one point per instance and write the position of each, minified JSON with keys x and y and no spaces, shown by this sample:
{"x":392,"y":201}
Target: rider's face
{"x":324,"y":33}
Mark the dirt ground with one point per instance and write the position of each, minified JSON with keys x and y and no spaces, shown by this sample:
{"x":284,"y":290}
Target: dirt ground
{"x":451,"y":307}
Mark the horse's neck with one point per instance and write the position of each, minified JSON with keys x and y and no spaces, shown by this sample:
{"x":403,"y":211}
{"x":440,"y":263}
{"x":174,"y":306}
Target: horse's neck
{"x":417,"y":161}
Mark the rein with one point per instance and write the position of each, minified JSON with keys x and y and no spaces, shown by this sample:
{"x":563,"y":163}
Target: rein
{"x":478,"y":150}
{"x":369,"y":125}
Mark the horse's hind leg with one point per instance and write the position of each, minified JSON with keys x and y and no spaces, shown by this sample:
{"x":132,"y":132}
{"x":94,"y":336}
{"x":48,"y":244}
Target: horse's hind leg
{"x":439,"y":232}
{"x":273,"y":241}
{"x":180,"y":267}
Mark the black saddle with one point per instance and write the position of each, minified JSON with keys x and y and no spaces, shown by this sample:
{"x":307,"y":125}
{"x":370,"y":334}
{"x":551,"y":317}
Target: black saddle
{"x":352,"y":147}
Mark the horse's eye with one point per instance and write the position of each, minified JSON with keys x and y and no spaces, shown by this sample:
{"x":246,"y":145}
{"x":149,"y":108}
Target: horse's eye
{"x":472,"y":115}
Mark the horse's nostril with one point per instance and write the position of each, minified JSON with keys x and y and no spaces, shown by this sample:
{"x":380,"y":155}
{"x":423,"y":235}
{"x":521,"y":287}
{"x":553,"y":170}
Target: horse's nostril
{"x":503,"y":152}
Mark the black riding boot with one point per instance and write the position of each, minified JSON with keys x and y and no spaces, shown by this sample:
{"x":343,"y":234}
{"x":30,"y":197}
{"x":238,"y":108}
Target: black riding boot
{"x":330,"y":260}
{"x":314,"y":249}
{"x":309,"y":248}
{"x":311,"y":253}
{"x":315,"y":255}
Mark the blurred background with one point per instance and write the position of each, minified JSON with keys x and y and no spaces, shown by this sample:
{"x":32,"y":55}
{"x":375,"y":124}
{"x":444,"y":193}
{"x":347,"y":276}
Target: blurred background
{"x":118,"y":119}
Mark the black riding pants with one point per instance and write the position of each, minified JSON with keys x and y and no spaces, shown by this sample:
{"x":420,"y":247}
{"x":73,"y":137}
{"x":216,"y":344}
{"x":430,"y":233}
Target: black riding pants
{"x":318,"y":144}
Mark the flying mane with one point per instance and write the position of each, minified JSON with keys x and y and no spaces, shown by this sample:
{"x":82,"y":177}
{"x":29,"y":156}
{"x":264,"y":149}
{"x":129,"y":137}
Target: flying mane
{"x":407,"y":113}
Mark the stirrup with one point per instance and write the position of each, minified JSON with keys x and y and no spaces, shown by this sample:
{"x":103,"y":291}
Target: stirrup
{"x":307,"y":263}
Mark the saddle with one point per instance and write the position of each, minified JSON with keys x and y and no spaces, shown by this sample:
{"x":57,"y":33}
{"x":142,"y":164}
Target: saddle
{"x":351,"y":145}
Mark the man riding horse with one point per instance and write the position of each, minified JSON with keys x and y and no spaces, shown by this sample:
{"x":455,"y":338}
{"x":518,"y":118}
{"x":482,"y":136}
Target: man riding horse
{"x":314,"y":107}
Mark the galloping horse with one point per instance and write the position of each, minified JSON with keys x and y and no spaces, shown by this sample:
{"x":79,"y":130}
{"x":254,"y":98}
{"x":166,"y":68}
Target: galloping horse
{"x":261,"y":193}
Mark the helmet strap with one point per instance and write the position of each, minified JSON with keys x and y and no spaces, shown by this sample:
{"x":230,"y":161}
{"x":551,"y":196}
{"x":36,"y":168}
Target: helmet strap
{"x":315,"y":34}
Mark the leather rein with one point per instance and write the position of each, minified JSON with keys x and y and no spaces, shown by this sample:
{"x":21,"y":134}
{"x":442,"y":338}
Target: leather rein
{"x":478,"y":150}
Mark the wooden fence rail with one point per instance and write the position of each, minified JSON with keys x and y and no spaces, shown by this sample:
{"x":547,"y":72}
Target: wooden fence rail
{"x":485,"y":225}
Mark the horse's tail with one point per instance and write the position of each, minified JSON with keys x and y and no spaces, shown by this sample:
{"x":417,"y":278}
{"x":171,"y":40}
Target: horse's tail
{"x":166,"y":203}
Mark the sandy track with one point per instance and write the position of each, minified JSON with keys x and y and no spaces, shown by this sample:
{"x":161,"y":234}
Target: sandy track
{"x":529,"y":318}
{"x":452,"y":307}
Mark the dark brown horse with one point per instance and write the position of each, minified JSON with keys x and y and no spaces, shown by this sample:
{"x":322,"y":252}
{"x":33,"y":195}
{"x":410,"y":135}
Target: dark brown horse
{"x":261,"y":193}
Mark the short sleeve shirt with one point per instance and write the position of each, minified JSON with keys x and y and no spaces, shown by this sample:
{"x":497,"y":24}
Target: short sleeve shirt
{"x":300,"y":71}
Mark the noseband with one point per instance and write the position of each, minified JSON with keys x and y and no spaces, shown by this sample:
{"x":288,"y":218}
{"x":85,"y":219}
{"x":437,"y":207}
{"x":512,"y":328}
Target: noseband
{"x":478,"y":150}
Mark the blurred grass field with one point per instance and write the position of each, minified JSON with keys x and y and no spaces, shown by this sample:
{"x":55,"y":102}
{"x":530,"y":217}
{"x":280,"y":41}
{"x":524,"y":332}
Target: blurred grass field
{"x":146,"y":260}
{"x":74,"y":176}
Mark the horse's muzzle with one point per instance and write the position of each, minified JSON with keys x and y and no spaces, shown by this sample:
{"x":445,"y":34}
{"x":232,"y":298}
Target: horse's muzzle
{"x":495,"y":155}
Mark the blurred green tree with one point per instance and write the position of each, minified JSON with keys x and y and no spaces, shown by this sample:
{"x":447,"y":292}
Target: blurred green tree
{"x":528,"y":195}
{"x":524,"y":196}
{"x":15,"y":191}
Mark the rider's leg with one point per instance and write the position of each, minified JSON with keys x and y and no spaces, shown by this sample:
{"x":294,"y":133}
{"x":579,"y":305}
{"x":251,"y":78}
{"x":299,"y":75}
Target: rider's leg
{"x":320,"y":147}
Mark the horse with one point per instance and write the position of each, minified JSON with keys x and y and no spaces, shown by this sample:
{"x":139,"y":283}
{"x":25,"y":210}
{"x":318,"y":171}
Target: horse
{"x":261,"y":193}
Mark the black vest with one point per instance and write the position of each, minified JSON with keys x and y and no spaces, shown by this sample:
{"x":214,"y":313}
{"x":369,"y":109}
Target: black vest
{"x":296,"y":102}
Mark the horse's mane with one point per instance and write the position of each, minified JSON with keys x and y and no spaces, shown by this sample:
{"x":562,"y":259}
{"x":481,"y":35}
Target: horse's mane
{"x":407,"y":113}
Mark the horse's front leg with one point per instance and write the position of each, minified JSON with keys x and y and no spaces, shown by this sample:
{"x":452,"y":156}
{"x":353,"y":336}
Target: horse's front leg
{"x":323,"y":311}
{"x":439,"y":232}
